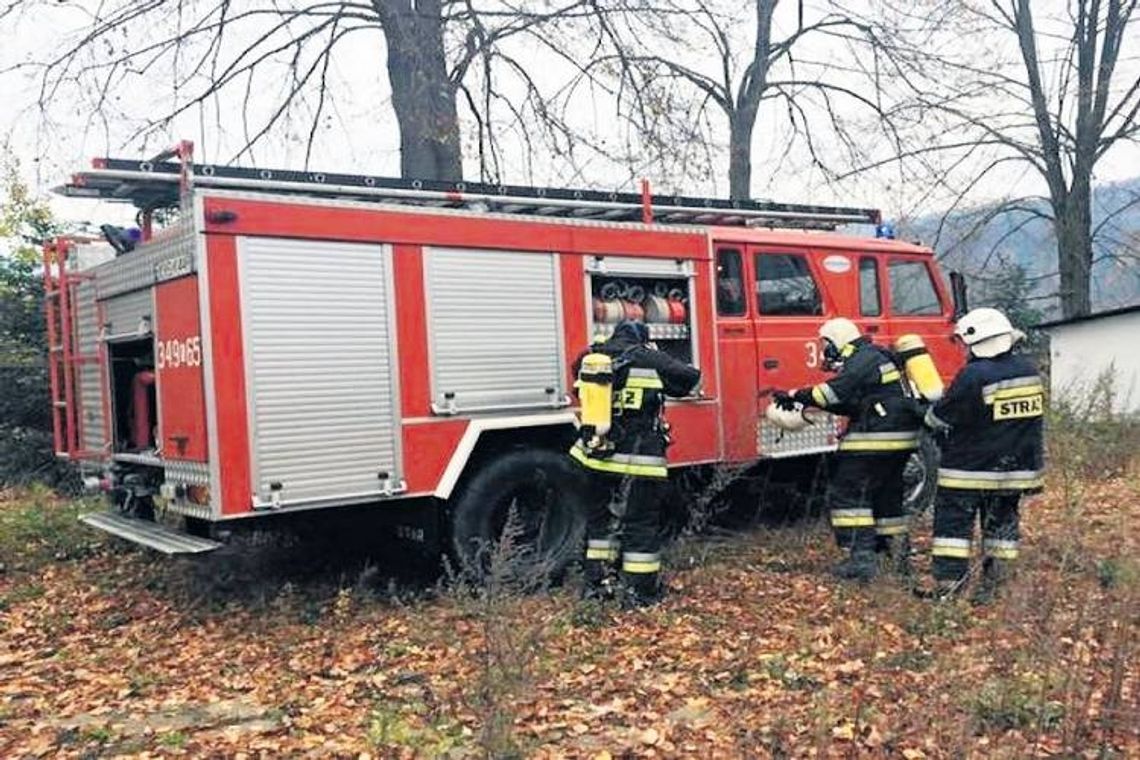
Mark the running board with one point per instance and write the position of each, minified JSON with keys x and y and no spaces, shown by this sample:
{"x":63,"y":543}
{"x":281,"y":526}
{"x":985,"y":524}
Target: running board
{"x":148,"y":534}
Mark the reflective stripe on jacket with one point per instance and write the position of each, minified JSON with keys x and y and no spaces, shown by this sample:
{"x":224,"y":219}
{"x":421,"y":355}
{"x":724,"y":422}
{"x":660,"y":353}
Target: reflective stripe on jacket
{"x":868,"y":391}
{"x":993,"y":412}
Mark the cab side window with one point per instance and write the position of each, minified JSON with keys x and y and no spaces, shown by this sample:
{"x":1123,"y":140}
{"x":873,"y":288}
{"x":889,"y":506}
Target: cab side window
{"x":870,"y":302}
{"x":729,"y":283}
{"x":785,"y":286}
{"x":912,"y":290}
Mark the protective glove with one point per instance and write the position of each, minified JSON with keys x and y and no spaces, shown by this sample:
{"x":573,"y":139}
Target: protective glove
{"x":803,"y":396}
{"x":784,"y":400}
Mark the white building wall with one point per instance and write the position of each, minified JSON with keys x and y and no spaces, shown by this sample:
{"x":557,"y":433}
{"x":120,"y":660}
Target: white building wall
{"x":1084,"y":351}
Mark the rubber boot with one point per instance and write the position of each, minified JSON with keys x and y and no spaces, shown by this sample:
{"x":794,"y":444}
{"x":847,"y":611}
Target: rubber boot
{"x":597,"y":581}
{"x":995,"y":573}
{"x":641,"y":590}
{"x":862,"y":565}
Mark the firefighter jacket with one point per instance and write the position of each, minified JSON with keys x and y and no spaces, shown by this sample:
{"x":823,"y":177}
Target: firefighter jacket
{"x":643,"y":377}
{"x":868,"y":390}
{"x":993,"y":413}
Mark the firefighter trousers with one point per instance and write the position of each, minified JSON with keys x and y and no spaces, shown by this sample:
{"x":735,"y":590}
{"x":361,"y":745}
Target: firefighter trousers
{"x":865,"y":499}
{"x":954,"y":516}
{"x":624,"y":523}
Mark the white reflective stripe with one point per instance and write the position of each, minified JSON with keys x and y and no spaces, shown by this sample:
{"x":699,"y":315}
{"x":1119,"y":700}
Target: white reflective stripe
{"x":957,"y":548}
{"x":603,"y":543}
{"x":637,"y":459}
{"x":989,"y":392}
{"x":999,"y":543}
{"x":846,"y":445}
{"x":852,"y":513}
{"x":643,"y":372}
{"x":1013,"y":382}
{"x":893,"y":436}
{"x":828,"y":394}
{"x":991,"y":475}
{"x":852,"y":518}
{"x":891,"y":526}
{"x":641,"y":562}
{"x":621,"y":464}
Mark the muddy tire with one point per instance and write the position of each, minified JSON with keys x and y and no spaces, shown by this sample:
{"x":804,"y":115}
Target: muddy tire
{"x":920,"y":478}
{"x":534,"y":498}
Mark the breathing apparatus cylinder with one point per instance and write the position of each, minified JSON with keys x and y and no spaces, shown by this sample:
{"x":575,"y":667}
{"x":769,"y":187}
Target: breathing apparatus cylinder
{"x":919,"y":366}
{"x":595,"y":391}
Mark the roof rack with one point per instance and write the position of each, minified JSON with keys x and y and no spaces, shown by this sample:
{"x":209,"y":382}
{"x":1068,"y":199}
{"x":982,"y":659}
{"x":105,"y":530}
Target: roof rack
{"x":159,"y":183}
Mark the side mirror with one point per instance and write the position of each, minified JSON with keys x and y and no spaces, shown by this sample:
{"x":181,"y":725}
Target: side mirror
{"x":958,"y":291}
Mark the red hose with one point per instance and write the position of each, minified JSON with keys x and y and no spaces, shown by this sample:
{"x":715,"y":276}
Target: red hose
{"x":140,"y":408}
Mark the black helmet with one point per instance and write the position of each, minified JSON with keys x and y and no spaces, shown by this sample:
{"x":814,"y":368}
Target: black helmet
{"x":631,"y":331}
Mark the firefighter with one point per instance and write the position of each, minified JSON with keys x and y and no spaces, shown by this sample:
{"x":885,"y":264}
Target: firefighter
{"x":991,"y":421}
{"x":628,"y":464}
{"x":865,"y":492}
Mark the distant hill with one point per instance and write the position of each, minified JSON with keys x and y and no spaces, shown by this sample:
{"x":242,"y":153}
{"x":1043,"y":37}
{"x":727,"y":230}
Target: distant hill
{"x":982,"y":247}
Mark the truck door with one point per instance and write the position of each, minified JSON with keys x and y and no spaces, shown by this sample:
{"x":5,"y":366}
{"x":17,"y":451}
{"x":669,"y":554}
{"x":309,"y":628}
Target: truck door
{"x":736,"y":345}
{"x":788,"y":311}
{"x":871,"y":306}
{"x":916,"y":304}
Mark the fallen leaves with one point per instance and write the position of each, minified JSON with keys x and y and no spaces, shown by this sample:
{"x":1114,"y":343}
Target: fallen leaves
{"x":747,"y":661}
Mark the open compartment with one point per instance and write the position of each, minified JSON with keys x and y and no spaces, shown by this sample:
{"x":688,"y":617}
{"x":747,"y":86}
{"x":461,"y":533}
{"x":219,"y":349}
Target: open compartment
{"x":659,"y":293}
{"x":134,"y":407}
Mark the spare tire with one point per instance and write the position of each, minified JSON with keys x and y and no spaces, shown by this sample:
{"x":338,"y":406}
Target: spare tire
{"x":536,"y":498}
{"x":920,"y":477}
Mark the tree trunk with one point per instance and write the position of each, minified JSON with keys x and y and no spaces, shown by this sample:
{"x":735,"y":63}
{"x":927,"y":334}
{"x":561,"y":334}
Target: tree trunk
{"x":422,"y":93}
{"x":740,"y":155}
{"x":1074,"y":249}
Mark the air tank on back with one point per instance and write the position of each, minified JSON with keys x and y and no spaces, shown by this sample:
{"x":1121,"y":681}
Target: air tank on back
{"x":919,"y":366}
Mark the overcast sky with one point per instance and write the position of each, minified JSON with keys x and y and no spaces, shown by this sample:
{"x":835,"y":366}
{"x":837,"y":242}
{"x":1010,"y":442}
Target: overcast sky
{"x":358,"y":133}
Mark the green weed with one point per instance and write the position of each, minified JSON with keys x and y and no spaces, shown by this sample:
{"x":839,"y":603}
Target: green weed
{"x":1017,"y":702}
{"x":37,"y":529}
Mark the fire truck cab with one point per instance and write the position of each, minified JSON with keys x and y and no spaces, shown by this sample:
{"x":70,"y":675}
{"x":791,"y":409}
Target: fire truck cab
{"x":297,"y":341}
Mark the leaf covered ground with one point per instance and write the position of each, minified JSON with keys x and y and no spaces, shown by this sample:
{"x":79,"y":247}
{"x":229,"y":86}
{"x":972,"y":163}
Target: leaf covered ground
{"x":105,"y":651}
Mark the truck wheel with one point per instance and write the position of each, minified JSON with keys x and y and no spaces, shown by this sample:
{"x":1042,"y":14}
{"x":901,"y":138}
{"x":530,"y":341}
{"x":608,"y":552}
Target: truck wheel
{"x":920,"y":478}
{"x":533,"y":497}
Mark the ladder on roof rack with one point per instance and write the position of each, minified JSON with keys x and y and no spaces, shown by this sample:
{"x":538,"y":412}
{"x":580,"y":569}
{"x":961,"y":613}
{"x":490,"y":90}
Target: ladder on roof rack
{"x":160,"y":183}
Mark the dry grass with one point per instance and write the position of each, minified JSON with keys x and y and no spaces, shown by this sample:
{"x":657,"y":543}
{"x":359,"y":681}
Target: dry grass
{"x":757,"y":653}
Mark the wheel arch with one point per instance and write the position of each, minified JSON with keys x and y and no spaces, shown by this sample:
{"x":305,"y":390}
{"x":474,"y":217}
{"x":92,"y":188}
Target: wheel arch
{"x":487,"y":437}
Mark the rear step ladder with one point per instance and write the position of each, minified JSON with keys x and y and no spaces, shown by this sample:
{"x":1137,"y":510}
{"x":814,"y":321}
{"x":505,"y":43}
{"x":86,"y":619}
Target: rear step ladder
{"x":63,"y":359}
{"x":149,"y":534}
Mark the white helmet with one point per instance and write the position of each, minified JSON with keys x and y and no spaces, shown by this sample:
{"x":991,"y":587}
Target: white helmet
{"x":987,"y":332}
{"x":837,"y":334}
{"x":840,"y":331}
{"x":787,"y":419}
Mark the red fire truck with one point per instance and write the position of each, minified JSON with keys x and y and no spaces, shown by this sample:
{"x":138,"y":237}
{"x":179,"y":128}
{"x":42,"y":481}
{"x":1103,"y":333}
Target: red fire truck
{"x":299,"y":341}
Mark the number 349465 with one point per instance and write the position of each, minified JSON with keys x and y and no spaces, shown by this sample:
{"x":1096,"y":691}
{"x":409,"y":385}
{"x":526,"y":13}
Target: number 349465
{"x":180,"y":352}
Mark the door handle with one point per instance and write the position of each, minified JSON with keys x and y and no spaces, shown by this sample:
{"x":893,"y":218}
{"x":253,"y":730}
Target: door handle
{"x":771,"y":363}
{"x":730,"y":330}
{"x":872,"y":328}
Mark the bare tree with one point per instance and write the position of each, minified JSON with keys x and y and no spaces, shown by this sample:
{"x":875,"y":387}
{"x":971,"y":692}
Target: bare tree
{"x":261,"y":64}
{"x":1001,"y":87}
{"x":668,"y":63}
